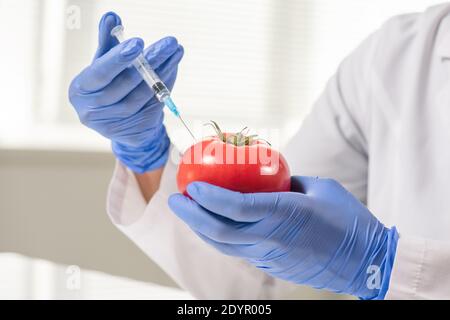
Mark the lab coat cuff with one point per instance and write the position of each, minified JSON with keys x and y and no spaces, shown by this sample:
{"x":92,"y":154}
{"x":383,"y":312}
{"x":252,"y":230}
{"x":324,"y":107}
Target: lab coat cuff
{"x":421,"y":270}
{"x":407,"y":270}
{"x":126,"y":204}
{"x":391,"y":249}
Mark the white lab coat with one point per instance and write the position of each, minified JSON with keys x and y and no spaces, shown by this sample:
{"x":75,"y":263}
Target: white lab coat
{"x":381,"y":128}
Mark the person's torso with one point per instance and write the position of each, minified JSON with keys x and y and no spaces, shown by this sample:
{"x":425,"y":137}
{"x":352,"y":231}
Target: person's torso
{"x":408,"y":133}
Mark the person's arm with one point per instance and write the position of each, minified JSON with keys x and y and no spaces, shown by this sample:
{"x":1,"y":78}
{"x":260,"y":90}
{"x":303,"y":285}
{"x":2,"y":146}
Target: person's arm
{"x":149,"y":182}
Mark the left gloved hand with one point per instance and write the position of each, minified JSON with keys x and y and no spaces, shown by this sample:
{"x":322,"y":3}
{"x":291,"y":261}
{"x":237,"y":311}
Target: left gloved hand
{"x":318,"y":234}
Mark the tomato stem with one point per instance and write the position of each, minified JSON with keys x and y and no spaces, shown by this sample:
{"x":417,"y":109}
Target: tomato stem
{"x":240,"y":138}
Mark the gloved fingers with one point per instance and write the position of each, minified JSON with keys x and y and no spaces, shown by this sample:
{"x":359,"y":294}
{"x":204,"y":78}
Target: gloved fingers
{"x":246,"y":251}
{"x":105,"y":41}
{"x":225,"y":248}
{"x":129,"y":90}
{"x":131,"y":104}
{"x":207,"y":223}
{"x":168,"y":69}
{"x":142,"y":94}
{"x":133,"y":131}
{"x":92,"y":115}
{"x":158,"y":52}
{"x":243,"y":207}
{"x":162,"y":55}
{"x":142,"y":139}
{"x":105,"y":68}
{"x":138,"y":99}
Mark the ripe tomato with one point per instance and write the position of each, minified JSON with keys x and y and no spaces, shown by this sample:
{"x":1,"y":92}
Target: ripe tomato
{"x":236,"y":162}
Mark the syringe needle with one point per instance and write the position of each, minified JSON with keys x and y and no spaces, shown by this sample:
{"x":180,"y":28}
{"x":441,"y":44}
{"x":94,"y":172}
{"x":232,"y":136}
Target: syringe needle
{"x":187,"y":128}
{"x":172,"y":107}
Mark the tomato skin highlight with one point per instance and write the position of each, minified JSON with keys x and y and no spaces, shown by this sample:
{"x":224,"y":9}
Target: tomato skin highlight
{"x":250,"y":168}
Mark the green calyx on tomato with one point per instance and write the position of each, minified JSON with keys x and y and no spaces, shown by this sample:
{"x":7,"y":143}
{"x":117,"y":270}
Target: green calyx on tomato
{"x":238,"y":139}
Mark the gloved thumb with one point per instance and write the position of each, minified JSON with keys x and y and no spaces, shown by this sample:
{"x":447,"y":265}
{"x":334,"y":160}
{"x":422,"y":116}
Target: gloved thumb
{"x":105,"y":41}
{"x":240,"y":207}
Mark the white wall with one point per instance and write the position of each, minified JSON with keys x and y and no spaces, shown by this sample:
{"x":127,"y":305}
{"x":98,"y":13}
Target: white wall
{"x":52,"y":205}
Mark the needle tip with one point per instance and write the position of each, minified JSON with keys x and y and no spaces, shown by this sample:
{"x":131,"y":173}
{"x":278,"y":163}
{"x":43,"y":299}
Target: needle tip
{"x":187,"y":128}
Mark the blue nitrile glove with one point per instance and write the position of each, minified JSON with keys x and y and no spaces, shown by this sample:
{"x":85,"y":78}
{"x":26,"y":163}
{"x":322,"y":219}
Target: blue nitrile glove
{"x":111,"y":97}
{"x":318,"y":234}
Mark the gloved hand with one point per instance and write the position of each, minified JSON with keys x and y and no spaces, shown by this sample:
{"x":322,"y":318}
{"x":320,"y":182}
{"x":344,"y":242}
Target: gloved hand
{"x":111,"y":97}
{"x":318,"y":234}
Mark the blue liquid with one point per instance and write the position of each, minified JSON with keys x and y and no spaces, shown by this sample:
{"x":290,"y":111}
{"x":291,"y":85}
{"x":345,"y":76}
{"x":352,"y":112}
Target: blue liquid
{"x":171,"y":105}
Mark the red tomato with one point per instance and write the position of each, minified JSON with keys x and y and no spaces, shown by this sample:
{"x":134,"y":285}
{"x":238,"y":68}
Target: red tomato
{"x":245,"y":168}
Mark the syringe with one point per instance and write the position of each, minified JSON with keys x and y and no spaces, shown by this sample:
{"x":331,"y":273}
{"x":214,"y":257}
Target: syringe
{"x":152,"y":79}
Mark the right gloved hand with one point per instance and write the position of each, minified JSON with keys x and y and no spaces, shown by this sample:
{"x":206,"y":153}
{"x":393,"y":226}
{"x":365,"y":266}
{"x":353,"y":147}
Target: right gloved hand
{"x":111,"y":97}
{"x":318,"y":234}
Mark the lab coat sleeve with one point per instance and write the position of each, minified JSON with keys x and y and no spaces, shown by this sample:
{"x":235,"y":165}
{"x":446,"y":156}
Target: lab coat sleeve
{"x":421,"y":269}
{"x":194,"y":265}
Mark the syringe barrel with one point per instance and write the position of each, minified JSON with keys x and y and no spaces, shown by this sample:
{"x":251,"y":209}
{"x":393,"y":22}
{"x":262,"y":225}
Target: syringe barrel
{"x":145,"y":70}
{"x":152,"y":79}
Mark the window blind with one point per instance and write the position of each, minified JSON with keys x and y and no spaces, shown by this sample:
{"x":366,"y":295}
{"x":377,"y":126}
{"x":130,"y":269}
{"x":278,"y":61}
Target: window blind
{"x":256,"y":63}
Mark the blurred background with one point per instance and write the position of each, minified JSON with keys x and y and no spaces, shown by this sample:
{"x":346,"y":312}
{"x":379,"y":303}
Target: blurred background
{"x":258,"y":63}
